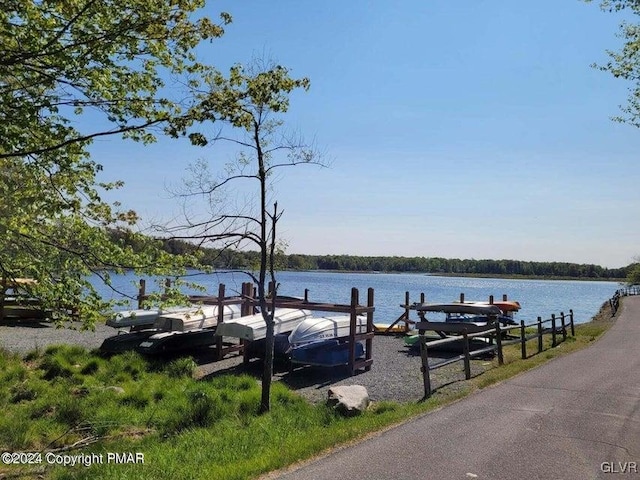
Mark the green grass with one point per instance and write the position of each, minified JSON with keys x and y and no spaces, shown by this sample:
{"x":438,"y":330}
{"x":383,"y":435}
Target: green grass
{"x":190,"y":429}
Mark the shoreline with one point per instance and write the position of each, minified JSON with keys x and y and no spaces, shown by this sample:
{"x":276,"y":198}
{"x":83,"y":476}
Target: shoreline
{"x":463,"y":275}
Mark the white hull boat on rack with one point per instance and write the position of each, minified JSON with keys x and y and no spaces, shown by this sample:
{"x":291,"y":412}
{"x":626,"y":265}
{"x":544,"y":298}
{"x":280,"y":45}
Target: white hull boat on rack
{"x":253,"y":327}
{"x":143,"y":317}
{"x":316,"y":341}
{"x":197,"y":318}
{"x":317,"y":329}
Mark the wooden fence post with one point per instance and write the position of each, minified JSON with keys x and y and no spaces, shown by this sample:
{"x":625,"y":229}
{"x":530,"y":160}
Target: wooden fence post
{"x":352,"y":330}
{"x":499,"y":343}
{"x":564,"y":327}
{"x":219,"y":342}
{"x":369,"y":342}
{"x":424,"y":356}
{"x":465,"y":351}
{"x":573,"y":329}
{"x":2,"y":295}
{"x":539,"y":334}
{"x":407,"y":312}
{"x":553,"y":330}
{"x":141,"y":291}
{"x":523,"y":340}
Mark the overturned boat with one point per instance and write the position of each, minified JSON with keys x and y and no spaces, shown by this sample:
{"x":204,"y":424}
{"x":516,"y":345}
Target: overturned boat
{"x":320,"y":341}
{"x":253,"y":327}
{"x":199,"y":321}
{"x":317,"y":329}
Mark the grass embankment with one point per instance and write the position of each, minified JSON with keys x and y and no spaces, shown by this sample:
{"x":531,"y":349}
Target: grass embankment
{"x":72,"y":402}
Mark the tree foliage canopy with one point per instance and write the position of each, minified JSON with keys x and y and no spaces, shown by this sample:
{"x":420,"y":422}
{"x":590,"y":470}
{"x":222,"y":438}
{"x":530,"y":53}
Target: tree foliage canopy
{"x":625,"y":63}
{"x":71,"y":71}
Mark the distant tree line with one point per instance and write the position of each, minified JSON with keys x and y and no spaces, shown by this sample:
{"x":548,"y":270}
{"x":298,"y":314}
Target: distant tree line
{"x":234,"y":259}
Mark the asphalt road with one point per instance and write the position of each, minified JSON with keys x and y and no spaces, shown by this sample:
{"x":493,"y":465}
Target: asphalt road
{"x":577,"y":417}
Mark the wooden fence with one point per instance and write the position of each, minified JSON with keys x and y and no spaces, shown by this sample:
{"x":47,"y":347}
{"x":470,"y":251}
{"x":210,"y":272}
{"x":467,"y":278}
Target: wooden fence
{"x":497,"y":337}
{"x":614,"y":302}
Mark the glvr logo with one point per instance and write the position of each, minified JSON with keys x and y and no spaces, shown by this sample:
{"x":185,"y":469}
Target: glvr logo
{"x":619,"y":467}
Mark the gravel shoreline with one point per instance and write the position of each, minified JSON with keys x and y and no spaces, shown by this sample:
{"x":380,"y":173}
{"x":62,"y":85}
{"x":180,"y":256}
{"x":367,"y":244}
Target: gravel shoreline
{"x":394,"y":376}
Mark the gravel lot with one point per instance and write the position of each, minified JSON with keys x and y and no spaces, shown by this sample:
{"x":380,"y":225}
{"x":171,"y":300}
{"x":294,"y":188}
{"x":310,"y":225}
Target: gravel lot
{"x":394,"y":375}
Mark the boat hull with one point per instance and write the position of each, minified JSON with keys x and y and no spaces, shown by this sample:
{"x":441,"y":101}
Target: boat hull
{"x":253,"y":327}
{"x":328,"y":353}
{"x":171,"y":342}
{"x":316,"y":329}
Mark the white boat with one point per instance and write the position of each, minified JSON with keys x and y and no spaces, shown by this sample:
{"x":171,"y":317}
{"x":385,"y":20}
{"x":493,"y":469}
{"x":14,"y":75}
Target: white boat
{"x":143,"y":316}
{"x":253,"y":327}
{"x":206,"y":316}
{"x":317,"y":329}
{"x":172,"y":331}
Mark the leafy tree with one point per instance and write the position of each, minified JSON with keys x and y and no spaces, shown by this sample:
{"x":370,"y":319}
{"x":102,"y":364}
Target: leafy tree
{"x":625,"y":63}
{"x":72,"y":71}
{"x":249,"y":104}
{"x":633,"y":277}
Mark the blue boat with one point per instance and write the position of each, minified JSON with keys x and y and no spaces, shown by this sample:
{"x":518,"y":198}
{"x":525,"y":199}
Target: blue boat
{"x":328,"y":353}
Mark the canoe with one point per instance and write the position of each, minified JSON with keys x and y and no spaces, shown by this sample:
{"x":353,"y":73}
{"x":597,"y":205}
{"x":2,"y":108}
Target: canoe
{"x":206,"y":316}
{"x":126,"y":341}
{"x":456,"y":307}
{"x":316,"y":329}
{"x":253,"y":327}
{"x":503,"y":305}
{"x":142,"y":316}
{"x":383,"y":329}
{"x":168,"y":342}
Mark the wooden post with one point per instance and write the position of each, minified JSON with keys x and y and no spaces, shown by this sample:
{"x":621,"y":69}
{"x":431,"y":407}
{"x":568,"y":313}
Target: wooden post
{"x":573,"y":330}
{"x":219,"y":342}
{"x":499,"y":344}
{"x":553,"y":329}
{"x":248,"y":307}
{"x":368,"y":355}
{"x":539,"y":334}
{"x":424,"y":356}
{"x":352,"y":330}
{"x":462,"y":298}
{"x":523,"y":340}
{"x":141,"y":292}
{"x":564,"y":327}
{"x":306,"y":295}
{"x":490,"y":299}
{"x":406,"y":308}
{"x":2,"y":295}
{"x":504,"y":297}
{"x":465,"y":351}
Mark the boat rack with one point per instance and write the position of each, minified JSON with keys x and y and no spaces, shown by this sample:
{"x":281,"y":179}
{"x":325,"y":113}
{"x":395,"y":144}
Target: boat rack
{"x":353,"y":309}
{"x":16,"y":302}
{"x":222,"y":348}
{"x":248,"y":304}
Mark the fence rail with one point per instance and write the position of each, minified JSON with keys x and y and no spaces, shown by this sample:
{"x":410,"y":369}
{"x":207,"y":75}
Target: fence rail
{"x":614,"y":302}
{"x":497,"y":336}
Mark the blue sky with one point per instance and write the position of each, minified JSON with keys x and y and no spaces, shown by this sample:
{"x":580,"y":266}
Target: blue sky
{"x":453,"y":129}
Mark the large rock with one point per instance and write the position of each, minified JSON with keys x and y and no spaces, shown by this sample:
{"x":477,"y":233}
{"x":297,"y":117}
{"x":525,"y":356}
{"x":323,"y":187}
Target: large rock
{"x":350,"y":400}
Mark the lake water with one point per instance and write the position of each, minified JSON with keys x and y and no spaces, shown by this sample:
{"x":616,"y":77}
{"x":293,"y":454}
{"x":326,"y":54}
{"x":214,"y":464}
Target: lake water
{"x":537,"y":297}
